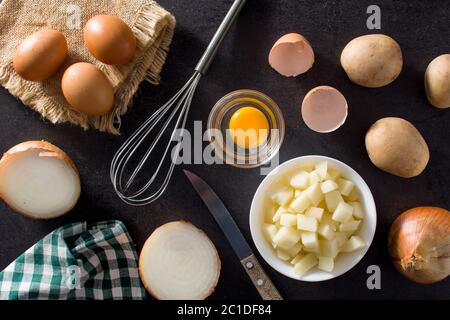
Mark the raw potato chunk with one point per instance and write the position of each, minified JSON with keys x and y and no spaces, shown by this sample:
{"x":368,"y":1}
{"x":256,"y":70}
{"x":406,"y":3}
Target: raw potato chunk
{"x":350,"y":226}
{"x":341,"y":238}
{"x":353,"y":196}
{"x":310,"y":241}
{"x":288,"y":220}
{"x":314,"y":177}
{"x":283,"y":255}
{"x":270,"y":231}
{"x":301,"y":203}
{"x":295,"y":249}
{"x":300,"y":180}
{"x":314,"y":194}
{"x":279,"y":212}
{"x":321,"y":169}
{"x":329,"y":248}
{"x":332,"y":174}
{"x":332,"y":200}
{"x":286,"y":238}
{"x":353,"y":244}
{"x":306,"y":223}
{"x":305,"y":264}
{"x":297,"y":258}
{"x":328,"y":186}
{"x":283,"y":197}
{"x":328,"y":219}
{"x":343,"y":212}
{"x":315,"y":212}
{"x":326,"y":264}
{"x":326,"y":231}
{"x":345,"y":186}
{"x":357,"y":210}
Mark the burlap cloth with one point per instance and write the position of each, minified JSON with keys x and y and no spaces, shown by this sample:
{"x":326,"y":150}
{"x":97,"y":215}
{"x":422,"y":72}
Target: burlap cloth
{"x":152,"y":25}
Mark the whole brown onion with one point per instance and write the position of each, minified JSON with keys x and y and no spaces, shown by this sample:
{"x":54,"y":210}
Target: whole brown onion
{"x":419,"y":244}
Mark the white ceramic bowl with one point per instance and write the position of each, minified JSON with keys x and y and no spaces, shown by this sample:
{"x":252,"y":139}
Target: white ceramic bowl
{"x":261,"y":203}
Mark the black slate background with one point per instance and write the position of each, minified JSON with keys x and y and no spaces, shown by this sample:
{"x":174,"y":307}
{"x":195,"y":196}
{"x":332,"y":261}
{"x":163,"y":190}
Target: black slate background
{"x":421,"y":28}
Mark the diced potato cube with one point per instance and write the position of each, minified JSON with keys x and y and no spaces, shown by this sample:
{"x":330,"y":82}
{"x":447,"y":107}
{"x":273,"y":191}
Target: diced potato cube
{"x":297,"y":258}
{"x":345,"y":186}
{"x":329,"y":248}
{"x":314,"y":177}
{"x":283,"y":255}
{"x":350,"y":226}
{"x":352,"y":244}
{"x":353,"y":196}
{"x":295,"y":249}
{"x":279,"y":212}
{"x":297,"y":193}
{"x":314,"y":194}
{"x":315,"y":212}
{"x":305,"y":264}
{"x":333,"y":174}
{"x":310,"y":241}
{"x":300,"y":204}
{"x":341,"y":238}
{"x":300,"y":180}
{"x":306,"y":223}
{"x":328,"y":186}
{"x":283,"y":196}
{"x":343,"y":212}
{"x":270,"y":213}
{"x":286,"y":238}
{"x":357,"y":209}
{"x":326,"y":264}
{"x":327,"y":219}
{"x":332,"y":200}
{"x":321,"y":169}
{"x":288,"y":219}
{"x":269,"y":231}
{"x":326,"y":231}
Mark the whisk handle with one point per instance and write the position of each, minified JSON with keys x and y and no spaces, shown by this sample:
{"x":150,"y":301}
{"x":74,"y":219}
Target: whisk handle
{"x":210,"y":52}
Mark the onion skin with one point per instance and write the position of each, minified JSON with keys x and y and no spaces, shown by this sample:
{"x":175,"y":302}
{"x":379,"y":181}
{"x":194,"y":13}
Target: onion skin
{"x":48,"y":150}
{"x":419,"y":244}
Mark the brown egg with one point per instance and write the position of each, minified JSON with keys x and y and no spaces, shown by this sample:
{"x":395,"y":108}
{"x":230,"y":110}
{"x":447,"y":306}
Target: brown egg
{"x":109,"y":39}
{"x":87,"y":89}
{"x":40,"y":55}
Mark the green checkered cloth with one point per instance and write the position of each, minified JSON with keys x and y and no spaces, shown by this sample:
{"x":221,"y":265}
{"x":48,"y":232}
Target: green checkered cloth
{"x":76,"y":261}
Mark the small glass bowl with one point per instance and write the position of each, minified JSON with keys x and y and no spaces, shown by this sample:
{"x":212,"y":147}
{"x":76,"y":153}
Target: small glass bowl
{"x":218,"y":123}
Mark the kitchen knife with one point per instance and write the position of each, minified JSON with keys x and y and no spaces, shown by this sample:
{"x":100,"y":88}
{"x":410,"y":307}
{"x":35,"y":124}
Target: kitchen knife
{"x":240,"y":246}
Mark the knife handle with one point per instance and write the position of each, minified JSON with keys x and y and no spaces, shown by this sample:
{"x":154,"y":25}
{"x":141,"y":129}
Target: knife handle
{"x":261,"y":281}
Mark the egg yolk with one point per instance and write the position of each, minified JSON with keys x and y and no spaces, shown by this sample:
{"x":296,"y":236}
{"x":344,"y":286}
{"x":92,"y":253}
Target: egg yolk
{"x":249,"y":127}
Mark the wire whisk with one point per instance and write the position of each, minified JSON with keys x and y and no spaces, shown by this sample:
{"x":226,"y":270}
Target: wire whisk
{"x":177,"y":108}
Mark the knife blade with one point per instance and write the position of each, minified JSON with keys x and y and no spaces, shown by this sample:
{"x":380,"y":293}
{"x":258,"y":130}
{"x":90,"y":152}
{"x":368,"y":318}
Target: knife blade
{"x":260,"y":280}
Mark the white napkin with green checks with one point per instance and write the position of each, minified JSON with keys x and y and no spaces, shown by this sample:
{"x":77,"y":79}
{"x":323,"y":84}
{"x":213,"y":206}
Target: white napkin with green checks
{"x":76,"y":261}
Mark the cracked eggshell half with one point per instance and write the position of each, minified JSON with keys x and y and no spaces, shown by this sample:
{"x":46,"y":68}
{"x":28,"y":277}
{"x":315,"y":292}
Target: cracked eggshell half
{"x":291,"y":55}
{"x":39,"y":180}
{"x":324,"y":109}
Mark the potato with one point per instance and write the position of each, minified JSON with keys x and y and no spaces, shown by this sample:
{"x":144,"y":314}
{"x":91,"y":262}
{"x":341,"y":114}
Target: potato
{"x":437,"y":81}
{"x":372,"y":61}
{"x":396,"y":146}
{"x":306,"y":223}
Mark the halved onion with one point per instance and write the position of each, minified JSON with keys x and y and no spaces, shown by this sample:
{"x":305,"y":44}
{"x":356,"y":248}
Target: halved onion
{"x":38,"y":180}
{"x":179,"y":262}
